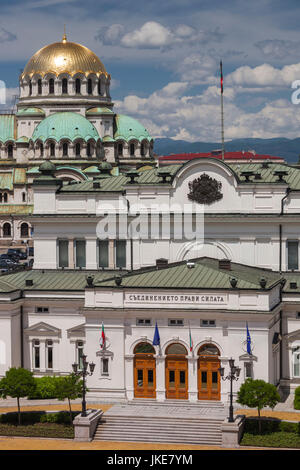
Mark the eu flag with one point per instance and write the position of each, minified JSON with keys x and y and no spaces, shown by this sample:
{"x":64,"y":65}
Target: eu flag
{"x":156,"y":339}
{"x":248,"y":341}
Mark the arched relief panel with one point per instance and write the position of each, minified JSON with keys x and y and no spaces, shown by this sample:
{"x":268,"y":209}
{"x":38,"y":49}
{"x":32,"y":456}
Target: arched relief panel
{"x":217,"y":184}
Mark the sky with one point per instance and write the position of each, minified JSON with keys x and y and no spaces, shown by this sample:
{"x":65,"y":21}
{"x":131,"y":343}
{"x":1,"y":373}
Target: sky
{"x":164,"y":58}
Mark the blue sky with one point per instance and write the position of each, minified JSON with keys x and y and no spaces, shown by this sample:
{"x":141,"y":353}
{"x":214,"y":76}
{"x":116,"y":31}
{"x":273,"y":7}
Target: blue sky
{"x":164,"y":59}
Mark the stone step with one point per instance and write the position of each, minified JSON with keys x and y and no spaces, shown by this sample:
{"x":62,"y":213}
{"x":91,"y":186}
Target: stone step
{"x":166,"y":439}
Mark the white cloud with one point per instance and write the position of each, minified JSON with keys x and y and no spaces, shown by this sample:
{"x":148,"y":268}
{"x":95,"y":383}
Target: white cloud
{"x":264,"y":75}
{"x":151,"y":34}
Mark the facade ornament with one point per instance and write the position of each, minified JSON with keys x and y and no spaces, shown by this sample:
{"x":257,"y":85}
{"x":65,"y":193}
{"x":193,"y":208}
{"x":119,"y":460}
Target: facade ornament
{"x":205,"y":190}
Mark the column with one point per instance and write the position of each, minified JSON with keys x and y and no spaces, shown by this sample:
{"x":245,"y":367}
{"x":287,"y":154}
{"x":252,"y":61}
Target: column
{"x":111,"y":254}
{"x":71,"y":254}
{"x":160,"y":378}
{"x":91,"y":253}
{"x":193,"y":378}
{"x":129,"y":386}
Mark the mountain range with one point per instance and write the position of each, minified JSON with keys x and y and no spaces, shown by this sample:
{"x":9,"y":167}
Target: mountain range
{"x":289,"y":149}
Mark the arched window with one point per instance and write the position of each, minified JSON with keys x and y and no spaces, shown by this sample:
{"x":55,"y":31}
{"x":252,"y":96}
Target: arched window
{"x":51,"y":86}
{"x":176,"y":348}
{"x":23,"y":197}
{"x":30,"y":87}
{"x":41,"y":150}
{"x":39,"y":86}
{"x":99,"y":87}
{"x":78,"y":86}
{"x":77,"y":149}
{"x":89,"y":149}
{"x":64,"y":85}
{"x":7,"y":230}
{"x":65,"y":149}
{"x":144,"y":348}
{"x":52,"y":149}
{"x":10,"y":151}
{"x":132,"y":150}
{"x":0,"y":197}
{"x":24,"y":230}
{"x":5,"y":197}
{"x":90,"y":86}
{"x":208,"y":350}
{"x":120,"y":149}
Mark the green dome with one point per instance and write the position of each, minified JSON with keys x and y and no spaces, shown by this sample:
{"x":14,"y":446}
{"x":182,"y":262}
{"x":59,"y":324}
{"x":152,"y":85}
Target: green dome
{"x":65,"y":125}
{"x":99,"y":111}
{"x":47,"y":168}
{"x":128,"y":128}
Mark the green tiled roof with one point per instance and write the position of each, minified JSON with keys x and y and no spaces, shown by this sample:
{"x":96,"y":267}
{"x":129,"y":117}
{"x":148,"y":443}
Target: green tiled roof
{"x":205,"y":275}
{"x":65,"y":125}
{"x":31,"y":112}
{"x":7,"y":127}
{"x":128,"y":128}
{"x":55,"y":280}
{"x":267,"y":175}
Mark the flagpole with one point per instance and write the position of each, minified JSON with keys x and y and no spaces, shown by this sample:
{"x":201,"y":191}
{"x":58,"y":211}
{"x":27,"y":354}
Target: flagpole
{"x":222,"y":112}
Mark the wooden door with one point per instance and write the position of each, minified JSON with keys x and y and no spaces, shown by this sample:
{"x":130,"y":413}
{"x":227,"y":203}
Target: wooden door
{"x":209,"y":383}
{"x":144,"y":377}
{"x":176,"y":378}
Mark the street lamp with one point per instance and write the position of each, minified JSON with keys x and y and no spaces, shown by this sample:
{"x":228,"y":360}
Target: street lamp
{"x":83,"y":373}
{"x":233,"y":375}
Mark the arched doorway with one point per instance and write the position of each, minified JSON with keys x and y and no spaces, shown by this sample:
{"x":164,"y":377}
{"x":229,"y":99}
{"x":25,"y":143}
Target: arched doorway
{"x":144,"y":371}
{"x":209,"y":384}
{"x":176,"y":372}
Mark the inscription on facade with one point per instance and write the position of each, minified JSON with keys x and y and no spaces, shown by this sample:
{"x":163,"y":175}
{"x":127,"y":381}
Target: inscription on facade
{"x":180,"y":299}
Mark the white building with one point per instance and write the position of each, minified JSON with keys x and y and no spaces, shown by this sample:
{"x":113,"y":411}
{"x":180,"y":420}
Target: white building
{"x":202,"y":286}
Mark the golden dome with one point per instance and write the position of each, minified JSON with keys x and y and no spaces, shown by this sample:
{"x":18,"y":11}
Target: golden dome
{"x":64,"y":57}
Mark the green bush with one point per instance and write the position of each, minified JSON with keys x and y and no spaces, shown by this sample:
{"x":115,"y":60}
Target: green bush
{"x":61,"y":417}
{"x":274,"y":439}
{"x":45,"y":388}
{"x":297,"y":399}
{"x":270,"y":426}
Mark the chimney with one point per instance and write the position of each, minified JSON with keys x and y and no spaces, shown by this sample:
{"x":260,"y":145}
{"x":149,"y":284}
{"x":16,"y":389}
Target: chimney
{"x":225,"y":264}
{"x":161,"y":263}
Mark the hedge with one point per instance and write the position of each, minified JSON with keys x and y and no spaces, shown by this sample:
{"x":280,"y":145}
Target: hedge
{"x":275,"y":433}
{"x":34,"y":417}
{"x":297,"y":399}
{"x":270,"y":426}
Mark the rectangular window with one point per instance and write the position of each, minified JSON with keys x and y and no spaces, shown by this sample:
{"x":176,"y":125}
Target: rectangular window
{"x":175,"y":322}
{"x":207,"y":323}
{"x":103,"y":253}
{"x":49,"y":354}
{"x":41,"y":309}
{"x":104,"y":366}
{"x":143,"y":321}
{"x":80,"y":256}
{"x":36,"y":354}
{"x":292,"y":254}
{"x":63,"y":253}
{"x":248,"y":370}
{"x":80,"y":354}
{"x":120,"y":253}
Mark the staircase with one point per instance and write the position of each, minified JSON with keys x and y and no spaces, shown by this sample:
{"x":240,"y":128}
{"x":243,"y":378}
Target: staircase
{"x":171,"y":423}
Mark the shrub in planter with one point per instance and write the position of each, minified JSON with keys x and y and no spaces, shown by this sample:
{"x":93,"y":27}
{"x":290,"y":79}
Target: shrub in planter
{"x":45,"y":388}
{"x":61,"y":417}
{"x":28,"y":417}
{"x":297,"y":399}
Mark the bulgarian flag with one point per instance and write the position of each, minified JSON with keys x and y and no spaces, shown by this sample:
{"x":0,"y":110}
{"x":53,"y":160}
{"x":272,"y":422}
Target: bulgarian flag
{"x":190,"y":339}
{"x":102,"y":339}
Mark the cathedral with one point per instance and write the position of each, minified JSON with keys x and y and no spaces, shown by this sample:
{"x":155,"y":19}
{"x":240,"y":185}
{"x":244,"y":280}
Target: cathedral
{"x":64,"y":113}
{"x":160,"y":274}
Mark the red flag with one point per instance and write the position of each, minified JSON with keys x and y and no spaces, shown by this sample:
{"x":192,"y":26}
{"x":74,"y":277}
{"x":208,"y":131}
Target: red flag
{"x":221,"y":72}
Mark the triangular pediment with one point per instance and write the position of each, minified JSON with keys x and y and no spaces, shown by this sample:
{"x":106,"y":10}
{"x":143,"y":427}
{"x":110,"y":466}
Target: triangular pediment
{"x":78,"y":331}
{"x":42,"y":329}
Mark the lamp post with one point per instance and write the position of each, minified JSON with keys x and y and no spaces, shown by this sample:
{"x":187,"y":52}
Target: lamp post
{"x":83,"y":373}
{"x":233,"y":375}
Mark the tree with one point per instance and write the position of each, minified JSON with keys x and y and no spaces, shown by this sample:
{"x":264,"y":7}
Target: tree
{"x":258,"y":394}
{"x":69,"y":387}
{"x":17,"y":383}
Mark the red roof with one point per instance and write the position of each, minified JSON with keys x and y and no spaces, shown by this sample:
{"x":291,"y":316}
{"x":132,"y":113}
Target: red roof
{"x":240,"y":155}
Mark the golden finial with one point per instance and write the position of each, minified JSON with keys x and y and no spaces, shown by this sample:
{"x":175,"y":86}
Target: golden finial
{"x":64,"y":39}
